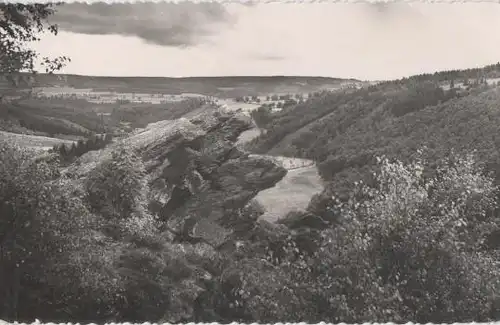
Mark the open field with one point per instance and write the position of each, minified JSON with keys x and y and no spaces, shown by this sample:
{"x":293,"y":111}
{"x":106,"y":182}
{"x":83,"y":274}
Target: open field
{"x":248,"y":135}
{"x":31,"y":141}
{"x":231,"y":105}
{"x":292,"y":193}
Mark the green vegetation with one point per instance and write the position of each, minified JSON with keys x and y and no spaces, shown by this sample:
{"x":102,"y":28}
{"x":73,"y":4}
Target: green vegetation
{"x":64,"y":257}
{"x":21,"y":24}
{"x":262,"y":116}
{"x":140,"y":115}
{"x":343,"y":131}
{"x":408,"y":239}
{"x":413,"y":247}
{"x":78,"y":118}
{"x":67,"y":154}
{"x":417,"y":244}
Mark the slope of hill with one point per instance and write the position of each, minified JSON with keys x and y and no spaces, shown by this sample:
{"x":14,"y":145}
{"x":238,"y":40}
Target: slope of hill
{"x":185,"y":172}
{"x":163,"y":225}
{"x":344,"y":131}
{"x":31,"y":141}
{"x":78,"y":117}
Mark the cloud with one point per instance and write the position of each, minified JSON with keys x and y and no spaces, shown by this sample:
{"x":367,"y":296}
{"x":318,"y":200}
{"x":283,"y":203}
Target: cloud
{"x":390,"y":12}
{"x":267,"y":57}
{"x":321,"y":39}
{"x":167,"y":24}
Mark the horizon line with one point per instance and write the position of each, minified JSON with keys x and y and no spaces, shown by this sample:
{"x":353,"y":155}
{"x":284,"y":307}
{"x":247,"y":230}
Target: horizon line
{"x":202,"y":76}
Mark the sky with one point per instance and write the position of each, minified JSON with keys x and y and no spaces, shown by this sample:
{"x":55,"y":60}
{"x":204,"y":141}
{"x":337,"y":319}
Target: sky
{"x":368,"y":41}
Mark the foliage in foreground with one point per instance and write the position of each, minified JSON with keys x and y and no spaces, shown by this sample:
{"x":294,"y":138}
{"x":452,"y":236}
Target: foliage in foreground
{"x":21,"y":25}
{"x":414,"y":246}
{"x":418,"y":244}
{"x":64,"y":258}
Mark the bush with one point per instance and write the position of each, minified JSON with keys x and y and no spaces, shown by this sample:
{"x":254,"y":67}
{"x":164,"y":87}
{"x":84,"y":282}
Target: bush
{"x":49,"y":245}
{"x":117,"y":188}
{"x":411,"y":247}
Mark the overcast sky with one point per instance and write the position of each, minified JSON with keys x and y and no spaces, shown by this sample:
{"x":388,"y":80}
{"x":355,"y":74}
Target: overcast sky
{"x":364,"y":41}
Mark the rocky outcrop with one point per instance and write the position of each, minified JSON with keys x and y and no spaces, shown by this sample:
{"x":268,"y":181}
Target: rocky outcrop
{"x":202,"y":187}
{"x":201,"y":182}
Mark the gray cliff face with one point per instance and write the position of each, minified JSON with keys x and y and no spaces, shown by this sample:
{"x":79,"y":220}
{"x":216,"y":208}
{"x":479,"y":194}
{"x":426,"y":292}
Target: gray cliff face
{"x":200,"y":181}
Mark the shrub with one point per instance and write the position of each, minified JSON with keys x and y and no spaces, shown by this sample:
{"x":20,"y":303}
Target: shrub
{"x":117,"y":188}
{"x":49,"y":250}
{"x":58,"y":261}
{"x":410,"y":248}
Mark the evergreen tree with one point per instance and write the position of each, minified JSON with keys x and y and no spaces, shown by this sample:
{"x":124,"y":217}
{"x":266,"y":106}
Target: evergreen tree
{"x":72,"y":151}
{"x":108,"y":138}
{"x":80,"y":148}
{"x":63,"y":150}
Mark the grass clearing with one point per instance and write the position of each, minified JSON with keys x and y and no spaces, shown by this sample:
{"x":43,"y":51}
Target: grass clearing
{"x":293,"y":192}
{"x":32,"y":141}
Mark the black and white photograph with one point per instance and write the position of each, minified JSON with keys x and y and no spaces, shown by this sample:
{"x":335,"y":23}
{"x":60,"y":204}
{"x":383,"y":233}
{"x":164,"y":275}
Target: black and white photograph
{"x":249,"y":162}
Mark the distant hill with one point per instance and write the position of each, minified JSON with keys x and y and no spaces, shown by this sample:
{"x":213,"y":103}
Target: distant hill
{"x":225,"y":87}
{"x":77,"y":117}
{"x":164,"y":223}
{"x":72,"y":116}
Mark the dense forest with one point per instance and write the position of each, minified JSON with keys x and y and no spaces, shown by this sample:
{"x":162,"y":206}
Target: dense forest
{"x":344,"y":131}
{"x":407,"y":229}
{"x":162,"y":225}
{"x":68,"y":154}
{"x":419,"y":244}
{"x":80,"y":118}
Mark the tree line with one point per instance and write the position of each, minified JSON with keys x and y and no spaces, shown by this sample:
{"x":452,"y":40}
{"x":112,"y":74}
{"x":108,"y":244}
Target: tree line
{"x":69,"y":152}
{"x":416,"y":244}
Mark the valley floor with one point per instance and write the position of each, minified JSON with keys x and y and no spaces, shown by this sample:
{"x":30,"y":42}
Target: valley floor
{"x":292,"y":193}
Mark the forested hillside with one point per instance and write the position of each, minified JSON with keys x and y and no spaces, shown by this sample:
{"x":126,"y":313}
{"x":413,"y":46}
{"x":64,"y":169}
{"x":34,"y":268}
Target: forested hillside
{"x":162,"y":223}
{"x":162,"y":226}
{"x":344,"y":131}
{"x":80,"y":118}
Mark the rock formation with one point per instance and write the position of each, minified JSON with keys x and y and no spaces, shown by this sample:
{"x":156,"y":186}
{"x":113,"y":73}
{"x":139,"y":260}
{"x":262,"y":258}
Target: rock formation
{"x":199,"y":180}
{"x":201,"y":188}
